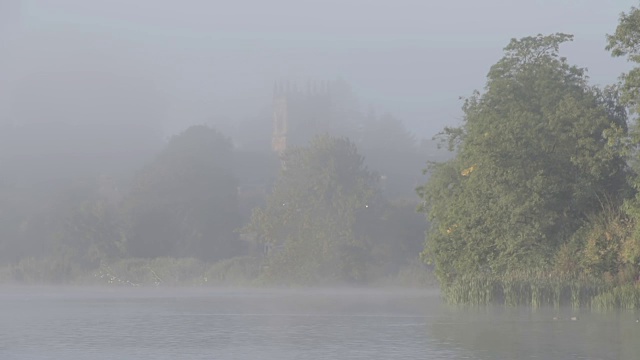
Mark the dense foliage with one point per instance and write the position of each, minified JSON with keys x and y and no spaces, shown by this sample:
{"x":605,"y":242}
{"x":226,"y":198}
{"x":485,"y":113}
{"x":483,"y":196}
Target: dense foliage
{"x":539,"y":151}
{"x":180,"y":219}
{"x":536,"y":206}
{"x":309,"y":219}
{"x":185,"y":202}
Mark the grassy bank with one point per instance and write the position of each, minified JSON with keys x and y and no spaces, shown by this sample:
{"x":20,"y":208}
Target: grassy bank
{"x":167,"y":271}
{"x":163,"y":271}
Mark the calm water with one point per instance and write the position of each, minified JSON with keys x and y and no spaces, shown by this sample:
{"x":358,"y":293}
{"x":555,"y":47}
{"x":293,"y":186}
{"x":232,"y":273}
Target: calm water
{"x":284,"y":324}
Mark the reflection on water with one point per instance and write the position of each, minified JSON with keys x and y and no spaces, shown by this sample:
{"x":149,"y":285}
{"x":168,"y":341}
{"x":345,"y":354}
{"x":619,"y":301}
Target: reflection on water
{"x":508,"y":333}
{"x":287,"y":324}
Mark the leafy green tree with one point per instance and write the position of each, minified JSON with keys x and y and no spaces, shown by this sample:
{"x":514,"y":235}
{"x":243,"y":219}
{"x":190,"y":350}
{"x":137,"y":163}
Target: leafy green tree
{"x":92,"y":232}
{"x":308,"y":223}
{"x":185,"y":202}
{"x":538,"y":151}
{"x":625,"y":42}
{"x":396,"y":234}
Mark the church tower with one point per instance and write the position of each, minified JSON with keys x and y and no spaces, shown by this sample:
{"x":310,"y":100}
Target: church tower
{"x":299,"y":115}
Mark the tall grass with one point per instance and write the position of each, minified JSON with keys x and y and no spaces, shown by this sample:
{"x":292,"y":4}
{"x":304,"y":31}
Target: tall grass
{"x":620,"y":297}
{"x":537,"y":289}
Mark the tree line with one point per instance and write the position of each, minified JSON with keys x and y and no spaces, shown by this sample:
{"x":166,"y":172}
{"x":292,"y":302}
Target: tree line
{"x":203,"y":210}
{"x":537,"y":204}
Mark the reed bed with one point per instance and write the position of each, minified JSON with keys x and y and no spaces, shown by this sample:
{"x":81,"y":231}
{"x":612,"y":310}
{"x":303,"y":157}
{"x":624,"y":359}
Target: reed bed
{"x":537,"y":289}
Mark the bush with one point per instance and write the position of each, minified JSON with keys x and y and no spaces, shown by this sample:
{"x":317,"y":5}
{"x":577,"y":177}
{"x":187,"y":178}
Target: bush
{"x":415,"y":274}
{"x":237,"y":271}
{"x":44,"y":270}
{"x":158,"y":271}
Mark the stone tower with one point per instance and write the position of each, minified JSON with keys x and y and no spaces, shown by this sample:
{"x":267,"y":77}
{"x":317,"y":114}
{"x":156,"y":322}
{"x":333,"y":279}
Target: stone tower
{"x":299,"y":114}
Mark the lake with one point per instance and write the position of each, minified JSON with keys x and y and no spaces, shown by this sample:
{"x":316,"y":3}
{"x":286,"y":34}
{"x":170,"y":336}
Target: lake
{"x":122,"y":323}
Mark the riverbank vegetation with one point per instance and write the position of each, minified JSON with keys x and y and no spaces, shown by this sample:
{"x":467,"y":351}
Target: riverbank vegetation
{"x":537,"y":204}
{"x":203,"y":212}
{"x":540,"y":205}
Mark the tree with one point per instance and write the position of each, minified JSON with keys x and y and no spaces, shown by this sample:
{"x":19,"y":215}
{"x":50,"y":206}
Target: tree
{"x":537,"y":153}
{"x":308,"y":223}
{"x":385,"y":141}
{"x":387,"y":133}
{"x":92,"y":226}
{"x":185,"y":202}
{"x":625,"y":42}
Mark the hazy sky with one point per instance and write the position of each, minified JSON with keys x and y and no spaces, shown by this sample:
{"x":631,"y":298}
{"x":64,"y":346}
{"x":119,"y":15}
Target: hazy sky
{"x":175,"y":63}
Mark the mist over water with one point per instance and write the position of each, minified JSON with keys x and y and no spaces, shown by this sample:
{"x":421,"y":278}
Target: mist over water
{"x":98,"y":323}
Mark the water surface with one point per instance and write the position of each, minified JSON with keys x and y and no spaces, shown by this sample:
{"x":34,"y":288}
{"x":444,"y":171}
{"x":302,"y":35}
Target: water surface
{"x":72,"y":323}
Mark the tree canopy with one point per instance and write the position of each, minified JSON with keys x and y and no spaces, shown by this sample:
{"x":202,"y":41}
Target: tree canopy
{"x":309,"y":219}
{"x":626,"y":42}
{"x":538,"y":152}
{"x":185,"y":202}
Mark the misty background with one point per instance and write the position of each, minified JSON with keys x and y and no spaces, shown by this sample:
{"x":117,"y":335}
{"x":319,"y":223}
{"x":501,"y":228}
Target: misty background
{"x":91,"y":93}
{"x":153,"y":68}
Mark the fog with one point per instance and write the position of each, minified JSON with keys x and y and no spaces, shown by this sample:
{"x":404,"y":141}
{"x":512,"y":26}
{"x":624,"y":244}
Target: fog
{"x":260,"y":180}
{"x":164,"y":66}
{"x":92,"y":92}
